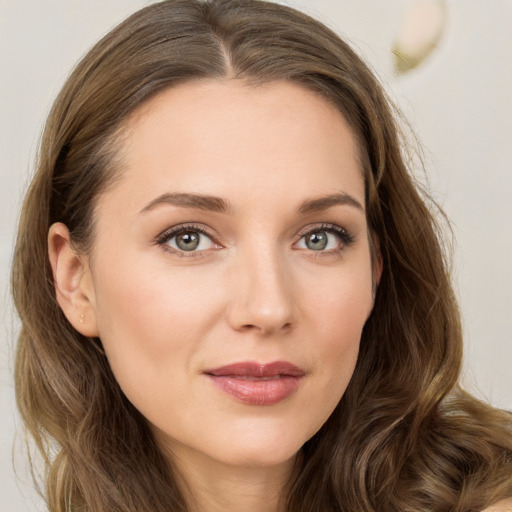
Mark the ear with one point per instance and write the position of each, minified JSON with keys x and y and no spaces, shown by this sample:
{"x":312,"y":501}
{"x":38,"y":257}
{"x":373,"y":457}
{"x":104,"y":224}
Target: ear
{"x":74,"y":286}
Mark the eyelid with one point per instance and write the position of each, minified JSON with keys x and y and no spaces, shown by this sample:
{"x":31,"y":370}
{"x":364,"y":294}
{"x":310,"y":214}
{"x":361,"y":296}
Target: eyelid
{"x":342,"y":233}
{"x":168,"y":233}
{"x":173,"y":231}
{"x":321,"y":226}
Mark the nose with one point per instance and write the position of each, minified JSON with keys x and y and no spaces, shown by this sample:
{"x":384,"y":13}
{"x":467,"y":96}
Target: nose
{"x":262,"y":298}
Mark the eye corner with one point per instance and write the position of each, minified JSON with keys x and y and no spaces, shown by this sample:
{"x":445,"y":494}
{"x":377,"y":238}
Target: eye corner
{"x":324,"y":242}
{"x":198,"y":246}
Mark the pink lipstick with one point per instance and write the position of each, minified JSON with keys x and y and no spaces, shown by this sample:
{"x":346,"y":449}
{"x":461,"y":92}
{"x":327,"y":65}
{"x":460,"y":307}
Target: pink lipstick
{"x":257,"y":384}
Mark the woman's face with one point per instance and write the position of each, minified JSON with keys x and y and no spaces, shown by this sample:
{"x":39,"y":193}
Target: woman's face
{"x":230,"y":272}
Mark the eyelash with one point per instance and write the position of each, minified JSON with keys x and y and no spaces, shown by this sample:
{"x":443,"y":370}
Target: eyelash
{"x":170,"y":233}
{"x":345,"y":237}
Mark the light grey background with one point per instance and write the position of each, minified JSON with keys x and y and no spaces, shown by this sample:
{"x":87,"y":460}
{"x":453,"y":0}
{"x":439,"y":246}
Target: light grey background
{"x":459,"y":102}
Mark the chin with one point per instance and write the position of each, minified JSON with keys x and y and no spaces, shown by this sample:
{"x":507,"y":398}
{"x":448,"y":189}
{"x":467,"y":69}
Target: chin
{"x":258,"y":443}
{"x":249,"y":444}
{"x":265,"y":454}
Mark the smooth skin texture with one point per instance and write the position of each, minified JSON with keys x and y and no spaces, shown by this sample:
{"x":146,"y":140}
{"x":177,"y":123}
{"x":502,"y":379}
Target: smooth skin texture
{"x":272,"y":264}
{"x":502,"y":506}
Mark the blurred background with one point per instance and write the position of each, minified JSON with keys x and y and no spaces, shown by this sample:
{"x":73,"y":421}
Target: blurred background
{"x":446,"y":63}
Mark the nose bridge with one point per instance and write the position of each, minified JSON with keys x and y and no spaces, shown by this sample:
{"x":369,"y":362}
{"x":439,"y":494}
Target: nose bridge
{"x":263,"y":296}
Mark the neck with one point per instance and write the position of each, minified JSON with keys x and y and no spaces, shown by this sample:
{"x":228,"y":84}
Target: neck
{"x":211,"y":486}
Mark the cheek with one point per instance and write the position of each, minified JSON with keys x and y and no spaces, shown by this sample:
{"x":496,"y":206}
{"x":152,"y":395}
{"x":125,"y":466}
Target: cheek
{"x":150,"y":320}
{"x":338,"y":353}
{"x":336,"y":315}
{"x":140,"y":297}
{"x":340,"y":304}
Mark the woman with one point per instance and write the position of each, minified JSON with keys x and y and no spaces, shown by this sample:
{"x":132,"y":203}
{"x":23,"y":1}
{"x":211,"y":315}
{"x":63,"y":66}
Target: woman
{"x":244,"y":302}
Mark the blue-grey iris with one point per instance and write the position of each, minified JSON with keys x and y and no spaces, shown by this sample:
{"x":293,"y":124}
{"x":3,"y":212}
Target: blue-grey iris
{"x":317,"y":241}
{"x":187,"y":241}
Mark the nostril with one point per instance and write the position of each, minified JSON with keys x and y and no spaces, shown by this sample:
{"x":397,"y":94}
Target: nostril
{"x":262,"y":298}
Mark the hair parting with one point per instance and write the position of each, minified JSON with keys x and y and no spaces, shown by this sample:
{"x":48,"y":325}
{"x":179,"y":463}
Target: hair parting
{"x":404,"y":437}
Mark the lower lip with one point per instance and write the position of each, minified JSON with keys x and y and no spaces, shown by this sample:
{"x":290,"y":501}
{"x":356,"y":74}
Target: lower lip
{"x":258,"y":391}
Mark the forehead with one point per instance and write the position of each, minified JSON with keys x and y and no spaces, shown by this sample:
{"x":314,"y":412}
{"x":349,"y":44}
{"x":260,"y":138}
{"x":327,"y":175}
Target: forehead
{"x":225,"y":137}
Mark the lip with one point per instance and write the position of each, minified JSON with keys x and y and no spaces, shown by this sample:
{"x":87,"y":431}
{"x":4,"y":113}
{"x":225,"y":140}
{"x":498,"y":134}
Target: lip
{"x":255,"y":383}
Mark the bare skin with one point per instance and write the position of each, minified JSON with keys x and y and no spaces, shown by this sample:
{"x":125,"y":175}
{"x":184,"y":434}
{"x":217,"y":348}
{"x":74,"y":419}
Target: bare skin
{"x":272,"y":264}
{"x":501,"y":506}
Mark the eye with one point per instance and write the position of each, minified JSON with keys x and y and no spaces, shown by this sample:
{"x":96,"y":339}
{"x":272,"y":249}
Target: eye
{"x":186,"y":239}
{"x":319,"y":241}
{"x":329,"y":238}
{"x":190,"y":241}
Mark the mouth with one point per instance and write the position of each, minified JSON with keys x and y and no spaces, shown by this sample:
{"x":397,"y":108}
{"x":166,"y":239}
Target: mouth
{"x":254,"y":383}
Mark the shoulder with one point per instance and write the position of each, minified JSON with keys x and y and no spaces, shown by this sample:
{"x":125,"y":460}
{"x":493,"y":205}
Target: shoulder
{"x":501,"y":506}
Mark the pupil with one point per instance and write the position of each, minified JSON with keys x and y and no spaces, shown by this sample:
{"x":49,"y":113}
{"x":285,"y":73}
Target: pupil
{"x":317,"y":241}
{"x":187,"y":241}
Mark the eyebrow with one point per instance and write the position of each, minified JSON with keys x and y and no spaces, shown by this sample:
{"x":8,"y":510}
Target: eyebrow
{"x":326,"y":202}
{"x":219,"y":205}
{"x":198,"y":201}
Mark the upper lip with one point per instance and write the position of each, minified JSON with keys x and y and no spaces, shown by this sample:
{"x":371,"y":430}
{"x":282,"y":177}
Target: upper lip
{"x":254,"y":369}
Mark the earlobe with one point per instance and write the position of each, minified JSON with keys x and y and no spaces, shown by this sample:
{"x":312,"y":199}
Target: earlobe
{"x":73,"y":281}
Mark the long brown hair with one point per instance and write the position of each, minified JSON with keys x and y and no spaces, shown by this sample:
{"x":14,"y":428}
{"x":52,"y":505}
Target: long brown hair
{"x":404,"y":437}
